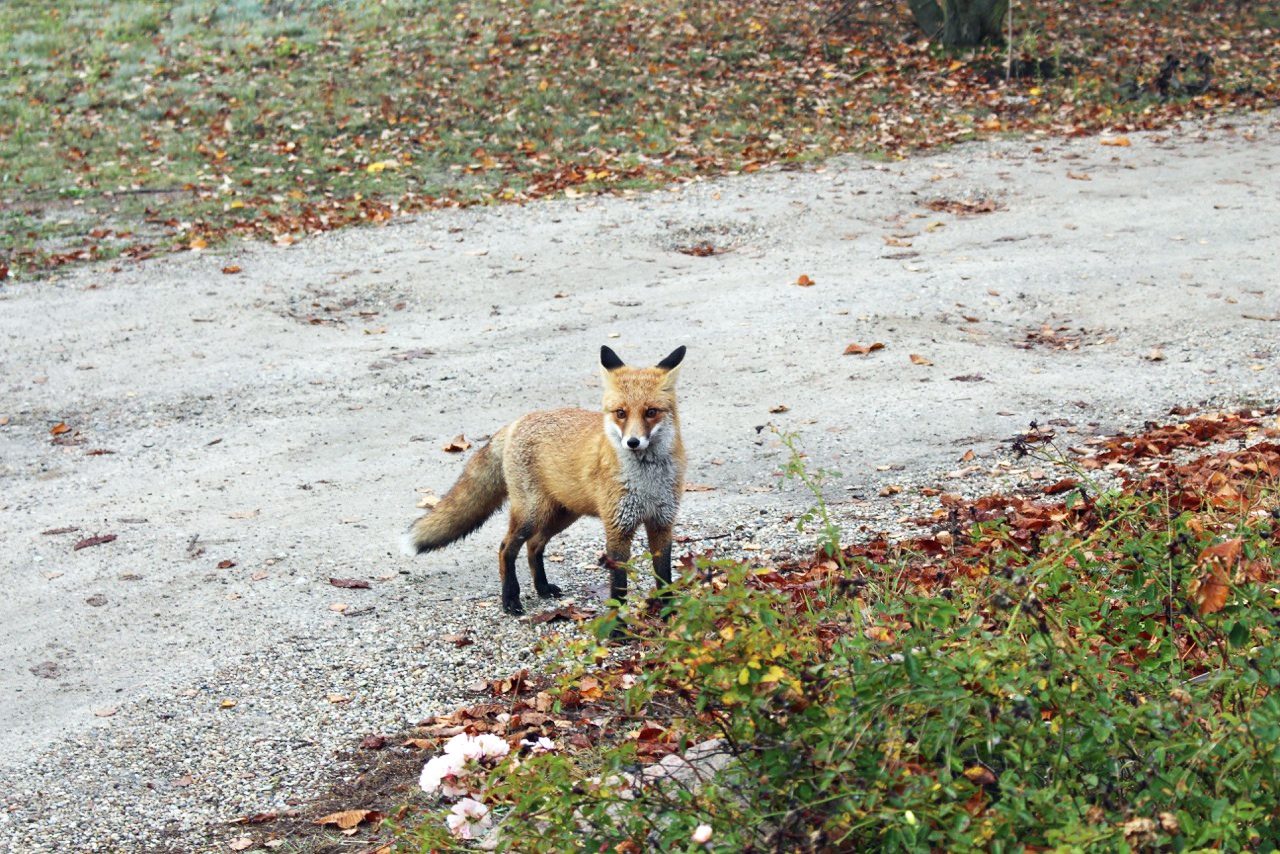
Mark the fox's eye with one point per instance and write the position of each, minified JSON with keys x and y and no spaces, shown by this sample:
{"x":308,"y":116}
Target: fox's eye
{"x":651,"y":413}
{"x":620,"y":414}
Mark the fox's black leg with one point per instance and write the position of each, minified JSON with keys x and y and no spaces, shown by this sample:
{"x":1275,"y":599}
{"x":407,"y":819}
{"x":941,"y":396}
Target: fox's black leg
{"x":538,"y":545}
{"x":617,"y":551}
{"x":660,"y":548}
{"x":517,"y":534}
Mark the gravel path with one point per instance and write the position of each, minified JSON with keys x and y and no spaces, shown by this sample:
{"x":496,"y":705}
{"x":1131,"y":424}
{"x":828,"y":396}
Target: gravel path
{"x":248,"y":436}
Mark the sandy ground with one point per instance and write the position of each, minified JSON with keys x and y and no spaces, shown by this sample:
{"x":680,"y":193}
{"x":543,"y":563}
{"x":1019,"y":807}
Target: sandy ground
{"x":284,"y":418}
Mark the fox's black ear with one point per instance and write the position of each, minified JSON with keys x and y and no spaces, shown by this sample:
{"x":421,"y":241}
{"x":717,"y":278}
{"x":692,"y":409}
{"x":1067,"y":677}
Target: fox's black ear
{"x":677,"y":355}
{"x":609,"y":360}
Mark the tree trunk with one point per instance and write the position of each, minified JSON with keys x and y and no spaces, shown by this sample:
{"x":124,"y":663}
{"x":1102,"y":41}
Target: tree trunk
{"x":961,"y":23}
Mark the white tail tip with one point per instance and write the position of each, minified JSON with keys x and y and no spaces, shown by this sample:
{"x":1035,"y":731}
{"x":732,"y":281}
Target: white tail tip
{"x":407,"y":545}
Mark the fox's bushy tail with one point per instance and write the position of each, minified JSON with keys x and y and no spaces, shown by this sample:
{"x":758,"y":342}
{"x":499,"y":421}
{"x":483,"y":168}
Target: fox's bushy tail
{"x":476,"y":496}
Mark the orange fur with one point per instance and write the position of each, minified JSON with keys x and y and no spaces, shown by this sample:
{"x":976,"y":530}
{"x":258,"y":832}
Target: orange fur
{"x":625,"y":466}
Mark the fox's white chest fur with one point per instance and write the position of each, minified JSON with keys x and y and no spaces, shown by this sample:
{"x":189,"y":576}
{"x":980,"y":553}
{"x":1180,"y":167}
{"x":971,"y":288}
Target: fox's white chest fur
{"x":649,"y":477}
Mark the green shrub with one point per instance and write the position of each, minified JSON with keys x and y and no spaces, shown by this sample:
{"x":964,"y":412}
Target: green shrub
{"x":1111,"y":687}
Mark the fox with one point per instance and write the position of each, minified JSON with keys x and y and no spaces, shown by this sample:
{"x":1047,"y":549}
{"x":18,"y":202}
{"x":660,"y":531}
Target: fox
{"x":624,"y":464}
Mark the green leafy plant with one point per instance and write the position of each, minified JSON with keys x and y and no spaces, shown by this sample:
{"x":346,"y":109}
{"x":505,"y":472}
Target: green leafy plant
{"x":795,"y":469}
{"x":1099,"y":674}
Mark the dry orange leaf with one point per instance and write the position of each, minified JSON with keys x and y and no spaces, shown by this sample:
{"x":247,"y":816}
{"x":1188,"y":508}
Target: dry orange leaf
{"x":231,"y":269}
{"x":1210,"y":593}
{"x":1118,"y":140}
{"x":1211,"y":590}
{"x":862,"y":349}
{"x":917,"y":359}
{"x":60,"y":428}
{"x":347,"y":819}
{"x":457,"y":445}
{"x":1225,"y":553}
{"x":804,"y":281}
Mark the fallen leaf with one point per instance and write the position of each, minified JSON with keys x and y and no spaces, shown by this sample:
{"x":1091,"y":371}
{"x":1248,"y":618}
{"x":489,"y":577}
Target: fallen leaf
{"x":1210,"y":593}
{"x":862,"y":349}
{"x":1061,"y":486}
{"x":60,"y":428}
{"x":693,"y":487}
{"x":804,"y":281}
{"x":348,"y":819}
{"x":93,"y":541}
{"x":53,"y":531}
{"x":226,"y":564}
{"x":969,"y":456}
{"x":1118,"y":140}
{"x":338,"y":606}
{"x":458,"y":640}
{"x":1078,"y":176}
{"x":917,"y":359}
{"x":231,"y":269}
{"x":107,"y":712}
{"x":980,"y":776}
{"x":241,"y":843}
{"x":228,"y":704}
{"x":248,"y":514}
{"x":969,"y":378}
{"x":350,"y":583}
{"x":337,"y":698}
{"x":1156,"y":355}
{"x":457,"y":445}
{"x":780,"y":408}
{"x":185,"y":780}
{"x":373,"y":742}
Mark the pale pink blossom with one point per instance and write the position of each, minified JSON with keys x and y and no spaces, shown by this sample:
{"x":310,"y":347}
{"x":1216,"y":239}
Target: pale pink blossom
{"x":468,"y":819}
{"x":485,"y":746}
{"x":491,"y":746}
{"x":702,"y":834}
{"x":443,"y":773}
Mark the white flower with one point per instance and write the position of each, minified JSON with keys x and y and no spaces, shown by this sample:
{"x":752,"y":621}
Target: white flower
{"x":542,"y":745}
{"x":468,"y":819}
{"x":491,"y":746}
{"x":462,"y":745}
{"x":627,"y":681}
{"x":702,"y":834}
{"x":441,"y":772}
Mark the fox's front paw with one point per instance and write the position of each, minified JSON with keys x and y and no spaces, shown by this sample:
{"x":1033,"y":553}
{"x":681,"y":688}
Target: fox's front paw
{"x":549,"y":591}
{"x":513,"y":607}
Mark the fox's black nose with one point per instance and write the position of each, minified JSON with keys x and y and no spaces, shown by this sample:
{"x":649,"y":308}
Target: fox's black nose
{"x":633,"y":442}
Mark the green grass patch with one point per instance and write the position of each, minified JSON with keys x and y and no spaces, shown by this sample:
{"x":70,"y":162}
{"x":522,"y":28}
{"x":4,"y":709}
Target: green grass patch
{"x":137,"y":127}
